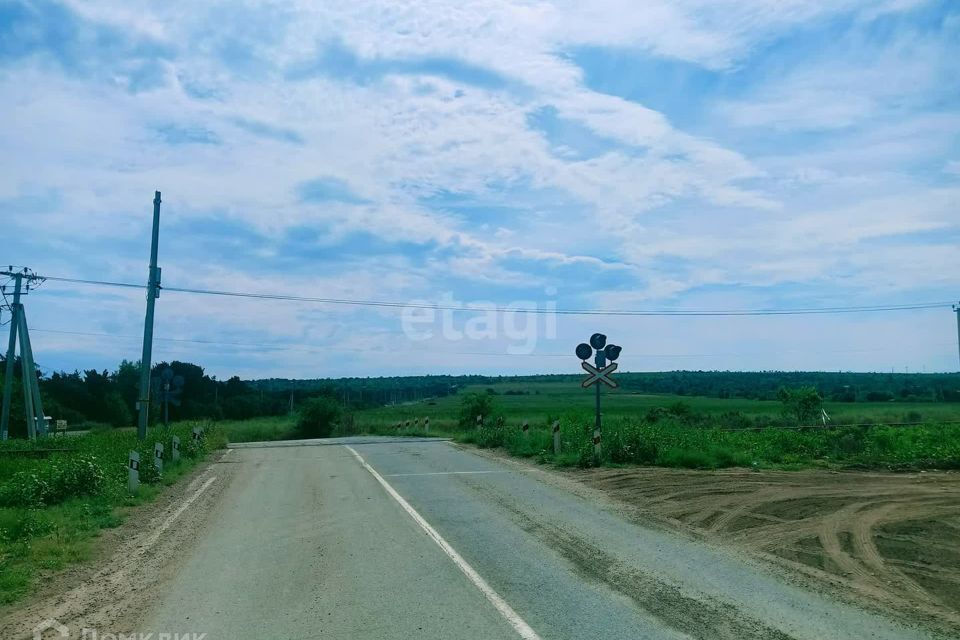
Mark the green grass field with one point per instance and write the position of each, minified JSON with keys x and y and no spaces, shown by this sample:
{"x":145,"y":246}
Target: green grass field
{"x":685,"y":431}
{"x":538,"y":401}
{"x":259,"y":429}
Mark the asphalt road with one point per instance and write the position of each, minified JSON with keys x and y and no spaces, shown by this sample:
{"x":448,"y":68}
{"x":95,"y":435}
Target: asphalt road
{"x":378,"y":538}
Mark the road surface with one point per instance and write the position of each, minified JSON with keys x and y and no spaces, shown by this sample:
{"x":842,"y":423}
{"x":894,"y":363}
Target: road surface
{"x":386,"y":538}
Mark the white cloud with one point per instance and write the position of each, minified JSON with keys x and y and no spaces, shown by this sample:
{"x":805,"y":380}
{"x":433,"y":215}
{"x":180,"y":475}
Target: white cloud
{"x":676,"y":209}
{"x":850,"y":83}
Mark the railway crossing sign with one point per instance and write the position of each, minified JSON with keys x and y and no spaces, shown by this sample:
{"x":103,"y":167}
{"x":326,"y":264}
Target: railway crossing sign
{"x":597,"y":373}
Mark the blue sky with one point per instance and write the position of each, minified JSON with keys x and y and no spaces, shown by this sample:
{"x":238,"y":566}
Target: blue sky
{"x":611,"y":154}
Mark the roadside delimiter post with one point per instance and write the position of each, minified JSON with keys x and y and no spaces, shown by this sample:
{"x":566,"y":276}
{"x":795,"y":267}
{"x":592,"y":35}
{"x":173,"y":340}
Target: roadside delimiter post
{"x":133,"y":475}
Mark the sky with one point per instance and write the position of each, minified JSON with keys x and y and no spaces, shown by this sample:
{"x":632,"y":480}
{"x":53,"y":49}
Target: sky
{"x":683,"y":155}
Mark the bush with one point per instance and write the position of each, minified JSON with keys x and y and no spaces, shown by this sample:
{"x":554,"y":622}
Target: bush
{"x":318,"y":417}
{"x":491,"y":436}
{"x":25,"y":489}
{"x":586,"y":457}
{"x":61,"y":480}
{"x":73,"y":477}
{"x":477,"y":404}
{"x":734,"y":420}
{"x":115,"y":411}
{"x":21,"y":525}
{"x":628,"y":444}
{"x":148,"y":473}
{"x":803,"y":404}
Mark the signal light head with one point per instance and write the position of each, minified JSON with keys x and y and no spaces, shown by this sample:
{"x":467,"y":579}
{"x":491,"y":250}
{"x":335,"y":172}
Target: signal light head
{"x":612,"y":352}
{"x":598,"y":341}
{"x":584,"y":351}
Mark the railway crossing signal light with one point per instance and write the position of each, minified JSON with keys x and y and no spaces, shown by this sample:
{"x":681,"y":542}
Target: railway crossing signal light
{"x":584,"y":351}
{"x":599,"y":372}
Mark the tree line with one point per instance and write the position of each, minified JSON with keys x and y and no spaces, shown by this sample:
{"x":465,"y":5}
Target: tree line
{"x":92,"y":397}
{"x":110,"y":397}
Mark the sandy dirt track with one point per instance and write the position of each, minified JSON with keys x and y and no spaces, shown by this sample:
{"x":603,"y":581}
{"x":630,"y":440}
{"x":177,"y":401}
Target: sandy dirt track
{"x":889,"y":539}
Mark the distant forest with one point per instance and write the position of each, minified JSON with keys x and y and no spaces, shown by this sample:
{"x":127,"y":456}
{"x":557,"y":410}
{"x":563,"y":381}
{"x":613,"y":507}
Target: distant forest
{"x":105,"y":397}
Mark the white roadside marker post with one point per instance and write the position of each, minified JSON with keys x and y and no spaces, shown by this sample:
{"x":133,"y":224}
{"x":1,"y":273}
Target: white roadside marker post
{"x":426,"y":425}
{"x":196,"y":435}
{"x":133,"y":477}
{"x":479,"y":422}
{"x":158,"y":457}
{"x":556,"y":438}
{"x":175,"y":449}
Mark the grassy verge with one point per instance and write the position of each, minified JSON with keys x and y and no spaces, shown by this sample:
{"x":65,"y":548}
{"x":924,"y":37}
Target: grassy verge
{"x":689,"y":432}
{"x":518,"y":401}
{"x":52,"y":508}
{"x":259,"y":429}
{"x":670,"y":443}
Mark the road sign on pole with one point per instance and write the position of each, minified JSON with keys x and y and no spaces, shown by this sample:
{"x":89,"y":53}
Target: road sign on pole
{"x":598,"y":373}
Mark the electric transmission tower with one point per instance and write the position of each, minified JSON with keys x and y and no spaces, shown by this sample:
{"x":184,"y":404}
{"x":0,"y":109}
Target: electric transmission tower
{"x":23,"y":281}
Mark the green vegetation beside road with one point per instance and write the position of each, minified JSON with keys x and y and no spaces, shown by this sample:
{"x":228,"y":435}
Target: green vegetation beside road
{"x":683,"y":431}
{"x":533,"y":401}
{"x":56,"y":494}
{"x":265,"y":429}
{"x":671,"y":443}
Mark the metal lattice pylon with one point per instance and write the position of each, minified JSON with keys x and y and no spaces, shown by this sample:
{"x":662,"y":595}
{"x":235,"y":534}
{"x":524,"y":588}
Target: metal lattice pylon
{"x":23,"y":281}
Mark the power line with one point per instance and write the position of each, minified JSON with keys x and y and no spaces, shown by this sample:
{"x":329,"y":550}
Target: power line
{"x":293,"y":346}
{"x":322,"y":349}
{"x":535,"y":310}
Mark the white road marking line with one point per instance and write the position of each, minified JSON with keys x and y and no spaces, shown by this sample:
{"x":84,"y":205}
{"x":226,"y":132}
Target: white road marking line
{"x":438,"y":473}
{"x":511,"y":616}
{"x":152,"y":540}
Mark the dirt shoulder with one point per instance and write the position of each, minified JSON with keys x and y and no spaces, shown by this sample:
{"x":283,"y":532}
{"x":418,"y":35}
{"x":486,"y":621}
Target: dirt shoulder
{"x":886,"y":541}
{"x":130,"y":562}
